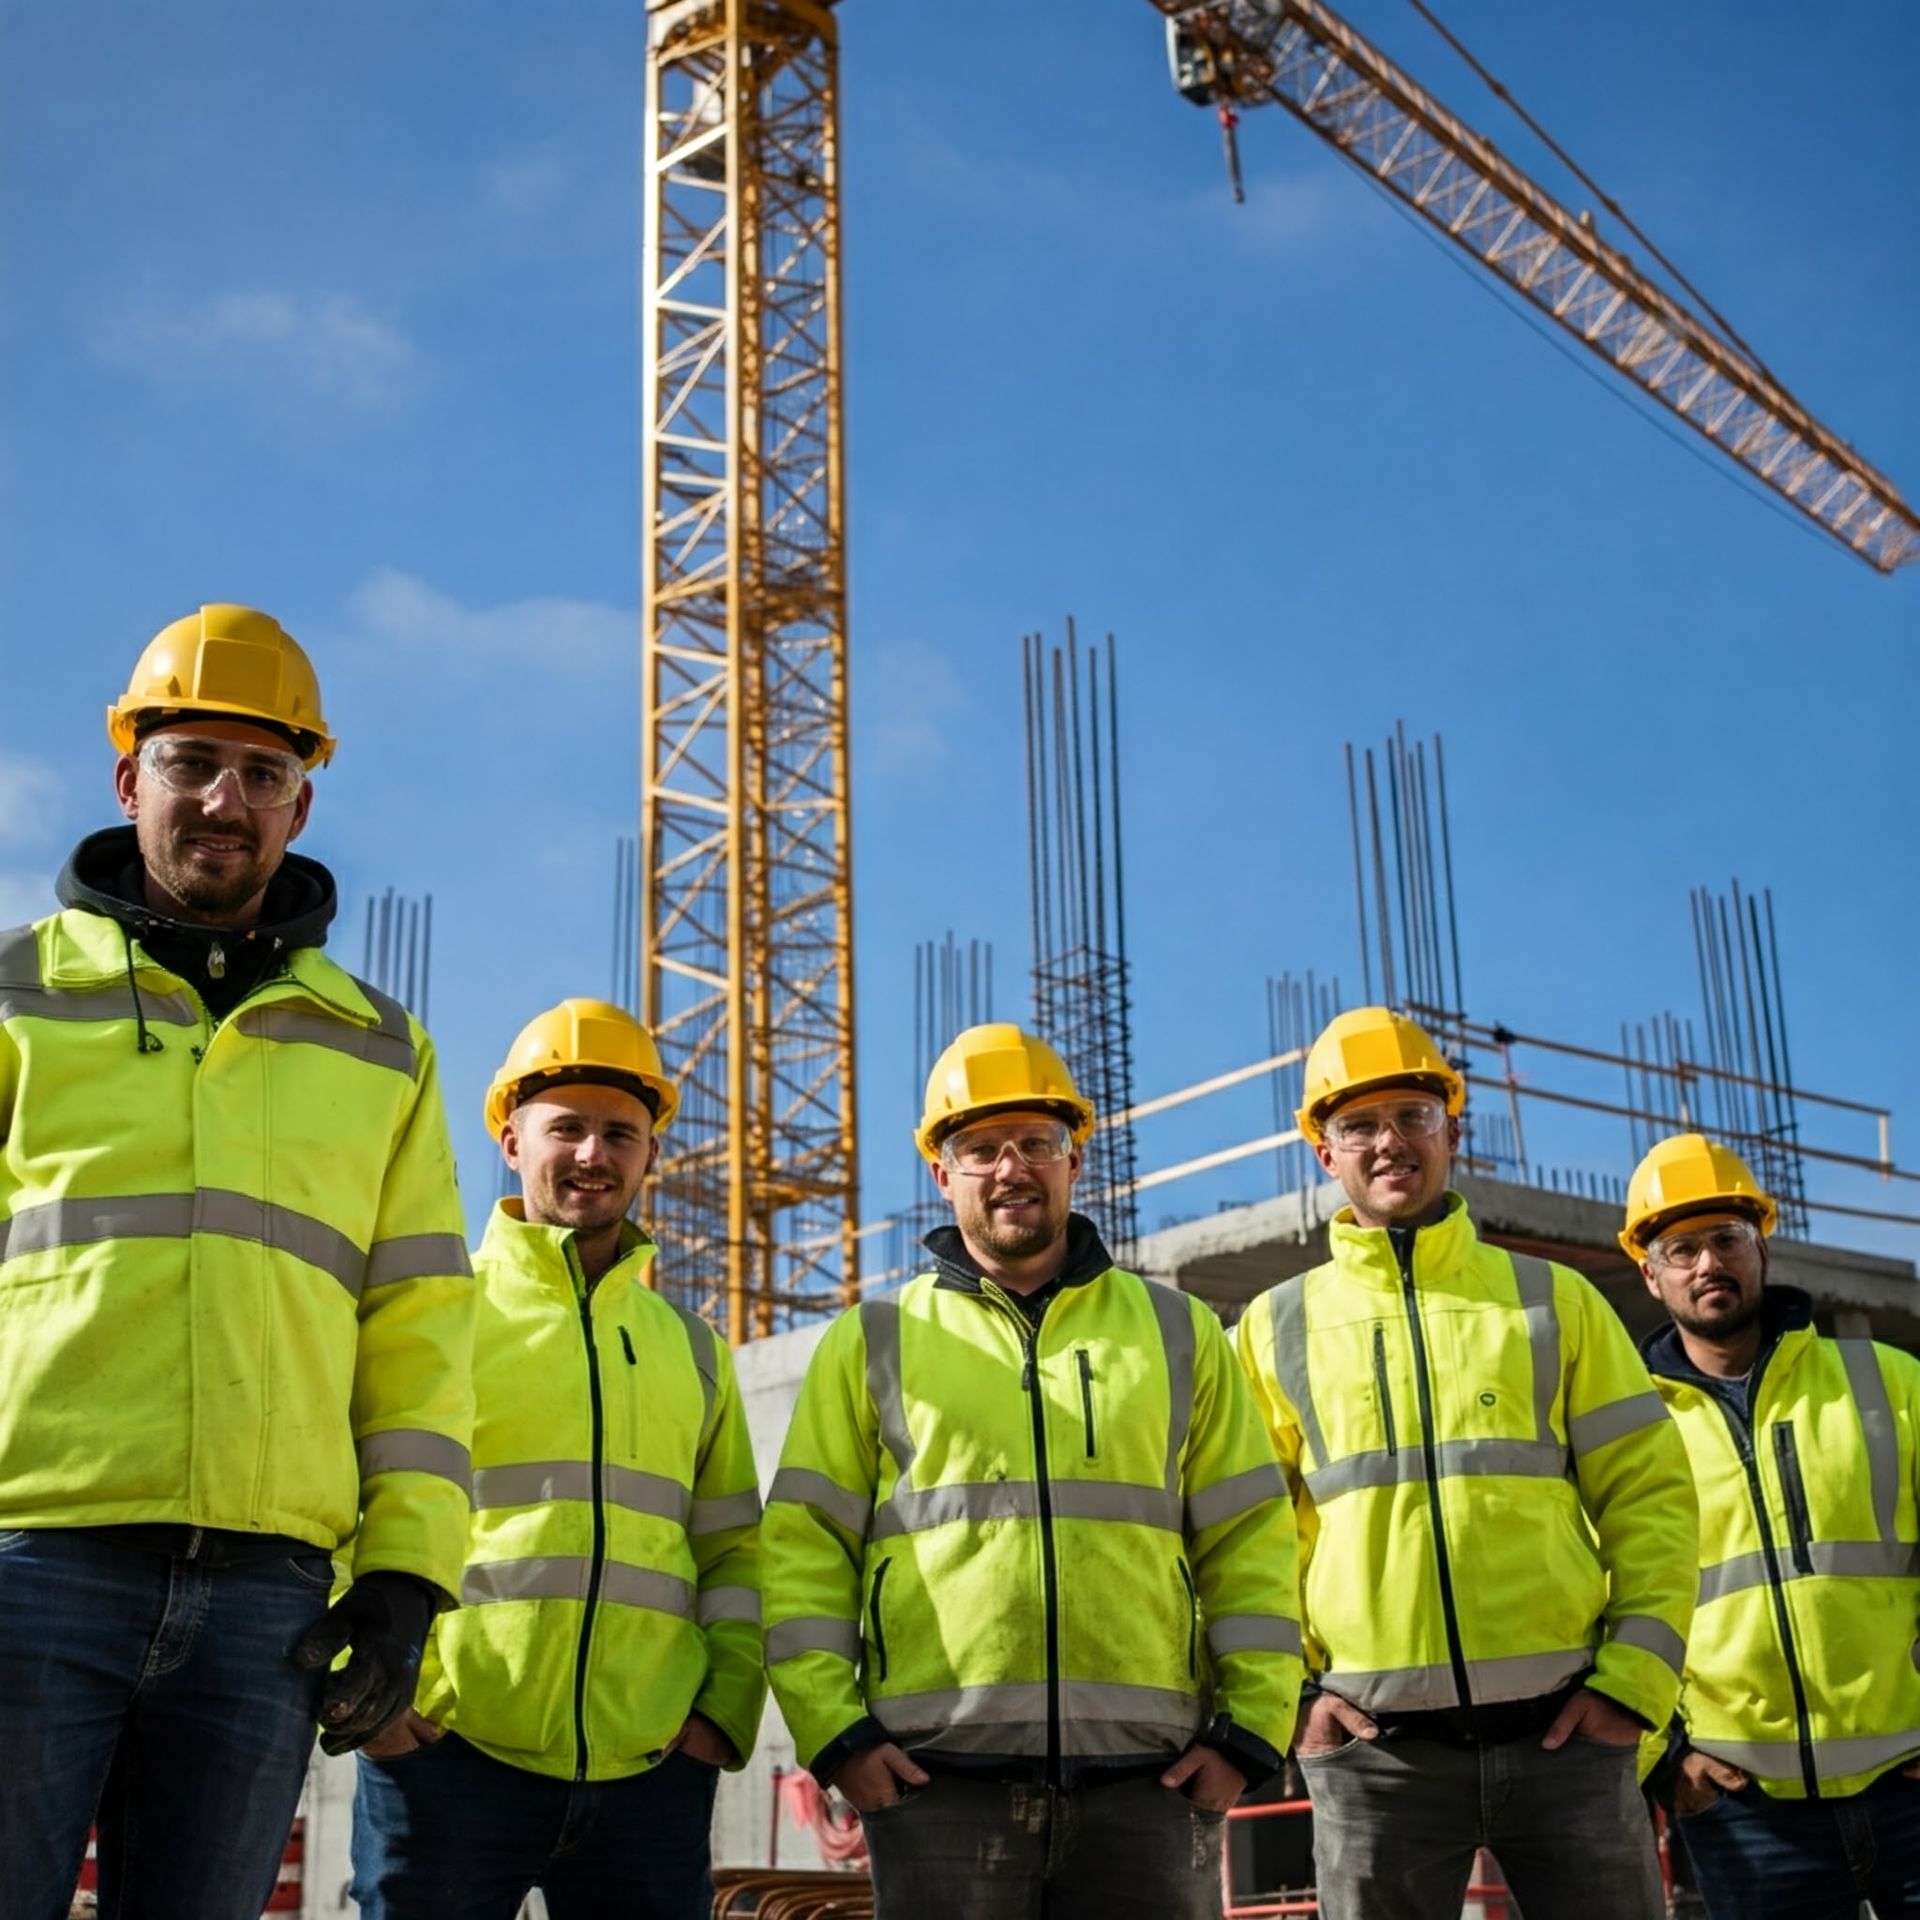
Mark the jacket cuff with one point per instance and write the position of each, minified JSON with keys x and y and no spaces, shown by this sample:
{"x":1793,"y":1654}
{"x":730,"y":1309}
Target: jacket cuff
{"x":864,"y":1733}
{"x":1248,"y":1752}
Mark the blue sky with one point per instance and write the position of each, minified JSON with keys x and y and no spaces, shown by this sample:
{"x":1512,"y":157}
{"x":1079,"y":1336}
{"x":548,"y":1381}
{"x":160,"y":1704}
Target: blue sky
{"x":332,"y":310}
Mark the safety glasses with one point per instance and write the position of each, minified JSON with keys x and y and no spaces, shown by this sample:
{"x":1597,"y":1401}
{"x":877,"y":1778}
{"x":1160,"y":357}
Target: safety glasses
{"x":977,"y":1151}
{"x":1725,"y":1241}
{"x":194,"y":769}
{"x":1361,"y":1129}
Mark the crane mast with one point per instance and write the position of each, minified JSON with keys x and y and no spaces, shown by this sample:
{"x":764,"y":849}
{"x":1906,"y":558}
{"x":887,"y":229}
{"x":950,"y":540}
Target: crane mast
{"x":746,"y":865}
{"x":1304,"y":57}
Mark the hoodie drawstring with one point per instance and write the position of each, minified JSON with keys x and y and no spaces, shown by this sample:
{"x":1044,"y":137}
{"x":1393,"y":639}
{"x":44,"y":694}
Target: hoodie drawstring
{"x":146,"y":1042}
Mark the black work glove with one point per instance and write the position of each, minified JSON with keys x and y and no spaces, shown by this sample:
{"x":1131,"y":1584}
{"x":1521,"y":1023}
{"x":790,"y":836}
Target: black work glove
{"x":384,"y":1618}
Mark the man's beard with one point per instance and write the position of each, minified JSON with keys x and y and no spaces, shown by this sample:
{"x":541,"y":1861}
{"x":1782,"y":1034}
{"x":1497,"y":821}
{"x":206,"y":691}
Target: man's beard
{"x":1722,"y":1327}
{"x":202,"y":891}
{"x":1016,"y":1240}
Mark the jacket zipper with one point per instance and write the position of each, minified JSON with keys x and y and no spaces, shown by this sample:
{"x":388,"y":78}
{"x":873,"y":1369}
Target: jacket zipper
{"x":875,"y":1629}
{"x":1786,"y":1453}
{"x":1743,"y":1445}
{"x":1049,"y":1561}
{"x":1443,"y":1566}
{"x":1380,"y":1381}
{"x":1193,"y":1620}
{"x":597,"y":1565}
{"x":1086,"y":1394}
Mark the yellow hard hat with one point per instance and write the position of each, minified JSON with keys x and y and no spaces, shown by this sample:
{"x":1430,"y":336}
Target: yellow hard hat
{"x":226,"y":660}
{"x":1366,"y":1048}
{"x":591,"y":1040}
{"x":1688,"y":1173}
{"x":994,"y":1068}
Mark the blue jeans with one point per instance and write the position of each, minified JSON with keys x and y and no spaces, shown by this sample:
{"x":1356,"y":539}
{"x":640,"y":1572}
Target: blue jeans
{"x":448,"y":1833}
{"x":1760,"y":1859}
{"x":158,"y":1695}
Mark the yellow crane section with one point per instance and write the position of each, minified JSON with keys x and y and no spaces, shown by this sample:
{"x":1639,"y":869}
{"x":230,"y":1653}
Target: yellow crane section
{"x":746,"y":863}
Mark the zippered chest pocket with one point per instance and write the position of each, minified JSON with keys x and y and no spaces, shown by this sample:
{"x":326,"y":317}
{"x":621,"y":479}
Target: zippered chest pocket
{"x":1382,"y":1388}
{"x":1786,"y":1456}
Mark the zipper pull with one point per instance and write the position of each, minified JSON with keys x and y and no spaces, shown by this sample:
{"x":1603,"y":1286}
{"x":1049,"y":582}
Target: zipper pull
{"x":216,"y":962}
{"x":626,"y":1347}
{"x":1027,"y":1371}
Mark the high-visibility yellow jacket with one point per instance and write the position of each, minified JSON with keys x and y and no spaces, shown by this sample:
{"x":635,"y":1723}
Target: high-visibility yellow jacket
{"x":1803,"y":1667}
{"x":1035,"y":1552}
{"x":613,"y":1581}
{"x":1490,"y":1495}
{"x":234,"y":1289}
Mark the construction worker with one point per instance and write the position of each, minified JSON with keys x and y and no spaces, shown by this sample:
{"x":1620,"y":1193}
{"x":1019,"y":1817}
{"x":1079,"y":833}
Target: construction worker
{"x":1497,"y":1525}
{"x":1030,"y":1563}
{"x":236,"y":1314}
{"x":605,"y":1663}
{"x":1792,"y":1765}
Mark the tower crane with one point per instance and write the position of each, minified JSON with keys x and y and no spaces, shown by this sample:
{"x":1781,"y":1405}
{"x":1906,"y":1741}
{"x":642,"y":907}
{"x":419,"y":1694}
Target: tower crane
{"x":746,"y":864}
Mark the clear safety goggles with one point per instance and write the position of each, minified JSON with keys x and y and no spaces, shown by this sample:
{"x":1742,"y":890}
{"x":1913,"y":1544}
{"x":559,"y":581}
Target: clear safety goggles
{"x":194,"y":769}
{"x":1411,"y":1119}
{"x":1725,"y":1240}
{"x":979,"y":1150}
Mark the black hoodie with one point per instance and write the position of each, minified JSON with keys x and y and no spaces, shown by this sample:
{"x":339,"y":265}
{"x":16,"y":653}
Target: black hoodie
{"x":106,"y":875}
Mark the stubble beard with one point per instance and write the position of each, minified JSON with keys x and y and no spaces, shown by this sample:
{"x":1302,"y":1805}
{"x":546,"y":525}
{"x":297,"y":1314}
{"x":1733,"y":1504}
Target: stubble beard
{"x":183,"y":879}
{"x":1720,"y":1328}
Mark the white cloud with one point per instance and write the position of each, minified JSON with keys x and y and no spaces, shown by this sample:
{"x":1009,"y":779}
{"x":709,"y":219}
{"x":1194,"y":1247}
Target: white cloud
{"x":400,"y":609}
{"x":24,"y":897}
{"x":327,"y":344}
{"x":527,"y":182}
{"x":29,"y":795}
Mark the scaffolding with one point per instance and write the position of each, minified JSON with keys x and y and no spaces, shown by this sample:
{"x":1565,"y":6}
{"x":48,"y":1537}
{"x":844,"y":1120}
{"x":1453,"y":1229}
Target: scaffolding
{"x":1078,"y":897}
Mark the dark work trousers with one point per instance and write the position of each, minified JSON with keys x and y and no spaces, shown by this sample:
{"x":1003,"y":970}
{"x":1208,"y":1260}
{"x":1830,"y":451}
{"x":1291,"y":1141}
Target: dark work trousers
{"x":160,"y":1695}
{"x":1760,"y":1859}
{"x":1396,"y":1824}
{"x":961,"y":1849}
{"x":449,"y":1833}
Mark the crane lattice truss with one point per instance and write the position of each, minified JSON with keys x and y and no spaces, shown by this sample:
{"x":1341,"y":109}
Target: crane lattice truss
{"x":746,"y":905}
{"x":1304,"y":56}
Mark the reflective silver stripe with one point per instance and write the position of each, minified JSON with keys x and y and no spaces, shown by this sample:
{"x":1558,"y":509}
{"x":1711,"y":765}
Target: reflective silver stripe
{"x":702,"y":1339}
{"x":1604,"y":1425}
{"x":977,"y":1502}
{"x":1876,"y":1422}
{"x":301,"y":1026}
{"x":1844,"y":1559}
{"x":24,"y":994}
{"x":815,"y":1633}
{"x":629,"y":1586}
{"x":1832,"y":1759}
{"x":1652,"y":1636}
{"x":1239,"y":1493}
{"x":415,"y":1450}
{"x":417,"y":1256}
{"x":1096,"y":1718}
{"x":880,"y":1323}
{"x":724,"y":1513}
{"x":530,"y":1483}
{"x":656,"y":1494}
{"x":727,"y":1603}
{"x":802,"y":1487}
{"x":1253,"y":1633}
{"x":1458,"y":1459}
{"x":1517,"y":1676}
{"x":564,"y":1576}
{"x":1174,"y":1311}
{"x":178,"y":1216}
{"x":1290,"y":1360}
{"x":1534,"y":1280}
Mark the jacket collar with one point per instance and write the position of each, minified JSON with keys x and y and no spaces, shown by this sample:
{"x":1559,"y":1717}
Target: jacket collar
{"x":955,"y":1267}
{"x":1366,"y":1254}
{"x":1786,"y":1321}
{"x":514,"y":1245}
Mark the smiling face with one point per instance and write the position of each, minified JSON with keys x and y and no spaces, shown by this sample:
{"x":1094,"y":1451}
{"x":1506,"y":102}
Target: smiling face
{"x":581,"y":1152}
{"x":1391,"y":1149}
{"x":1709,"y":1270}
{"x":209,"y":858}
{"x":1010,"y":1210}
